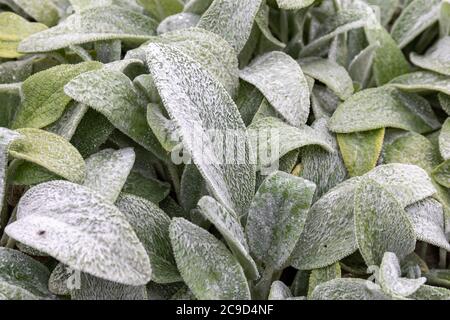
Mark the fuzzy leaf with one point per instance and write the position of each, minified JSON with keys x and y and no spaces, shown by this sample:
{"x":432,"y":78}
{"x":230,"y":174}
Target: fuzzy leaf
{"x":294,"y":4}
{"x":427,"y":217}
{"x":22,"y":277}
{"x":268,"y":132}
{"x":50,"y":151}
{"x":79,"y":228}
{"x":229,"y":227}
{"x":442,"y":174}
{"x":14,"y":29}
{"x":108,"y":170}
{"x":44,"y":11}
{"x":43,"y":94}
{"x":151,"y":225}
{"x":437,"y":58}
{"x":348,"y":289}
{"x":282,"y":82}
{"x":431,"y":293}
{"x":444,"y":100}
{"x":381,"y":108}
{"x":279,"y":291}
{"x":360,"y":69}
{"x":323,"y":275}
{"x":205,"y":264}
{"x":422,"y":81}
{"x":91,"y":25}
{"x":329,"y":234}
{"x":148,"y":188}
{"x":444,"y":140}
{"x":113,"y":95}
{"x":277,"y":216}
{"x":391,"y":280}
{"x":6,"y":138}
{"x":184,"y":101}
{"x":361,"y":150}
{"x":414,"y":19}
{"x":381,"y":224}
{"x":179,"y":21}
{"x":160,"y":9}
{"x":387,"y":9}
{"x":331,"y":74}
{"x":231,"y":19}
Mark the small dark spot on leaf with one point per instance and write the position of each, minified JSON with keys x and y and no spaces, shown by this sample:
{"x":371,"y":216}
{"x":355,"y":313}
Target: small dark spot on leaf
{"x":41,"y":232}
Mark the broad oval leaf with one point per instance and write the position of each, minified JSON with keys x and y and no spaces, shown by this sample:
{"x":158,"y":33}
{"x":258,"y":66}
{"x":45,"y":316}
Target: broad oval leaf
{"x":422,"y":81}
{"x":329,"y":234}
{"x":348,"y":289}
{"x":22,"y":277}
{"x":414,"y":19}
{"x":113,"y":94}
{"x":44,"y":100}
{"x":94,"y":24}
{"x":178,"y":21}
{"x":437,"y":58}
{"x":6,"y":138}
{"x":444,"y":140}
{"x":160,"y":9}
{"x":205,"y":264}
{"x":283,"y":83}
{"x":151,"y":225}
{"x":277,"y":216}
{"x":381,"y":108}
{"x":231,"y":19}
{"x":197,"y":109}
{"x":294,"y":4}
{"x":49,"y":151}
{"x":330,"y":73}
{"x":279,"y":291}
{"x":323,"y":275}
{"x":442,"y":174}
{"x":44,"y":11}
{"x":381,"y":224}
{"x":230,"y":228}
{"x":107,"y":171}
{"x":81,"y":229}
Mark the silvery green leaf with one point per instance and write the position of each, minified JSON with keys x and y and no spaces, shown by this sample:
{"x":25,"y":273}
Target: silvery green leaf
{"x":197,"y":6}
{"x":294,"y":4}
{"x":427,"y":217}
{"x":81,"y":229}
{"x":192,"y":187}
{"x":329,"y":234}
{"x":414,"y":19}
{"x":164,"y":129}
{"x":381,"y":108}
{"x":271,"y":133}
{"x":91,"y":25}
{"x":156,"y":291}
{"x":146,"y":187}
{"x":323,"y":275}
{"x":92,"y":131}
{"x":22,"y":277}
{"x":14,"y":29}
{"x":323,"y":102}
{"x":205,"y":264}
{"x":132,"y":68}
{"x":412,"y":148}
{"x":282,"y":82}
{"x":80,"y":5}
{"x":442,"y":174}
{"x":426,"y":292}
{"x":69,"y":121}
{"x":268,"y":41}
{"x":93,"y":288}
{"x":230,"y":228}
{"x":422,"y":81}
{"x":248,"y":101}
{"x":107,"y":171}
{"x":277,"y":216}
{"x":387,"y":9}
{"x":183,"y":20}
{"x":160,"y":9}
{"x":151,"y":225}
{"x":58,"y":283}
{"x":338,"y":23}
{"x":348,"y":289}
{"x":10,"y":98}
{"x":44,"y":11}
{"x":279,"y":291}
{"x":444,"y":100}
{"x":391,"y":281}
{"x":113,"y":94}
{"x":361,"y":150}
{"x":6,"y":138}
{"x":444,"y":140}
{"x":329,"y":73}
{"x":231,"y":183}
{"x":389,"y":61}
{"x":16,"y":70}
{"x":437,"y":57}
{"x":325,"y":169}
{"x":50,"y":151}
{"x":381,"y":224}
{"x":44,"y":100}
{"x":360,"y":69}
{"x":231,"y":19}
{"x":25,"y":173}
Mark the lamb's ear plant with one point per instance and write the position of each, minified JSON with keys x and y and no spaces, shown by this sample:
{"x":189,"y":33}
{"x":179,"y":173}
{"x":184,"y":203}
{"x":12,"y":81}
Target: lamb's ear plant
{"x":225,"y":149}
